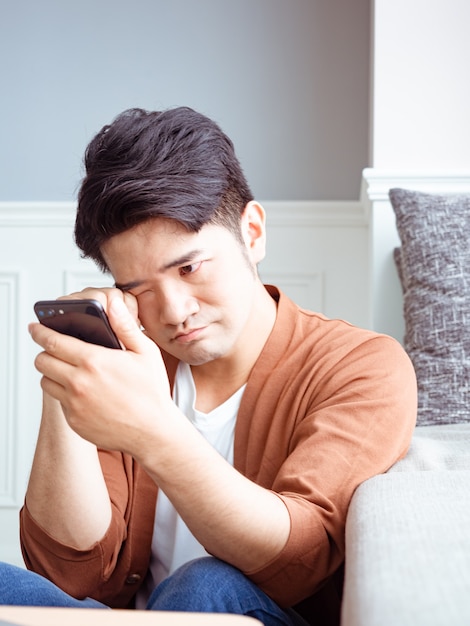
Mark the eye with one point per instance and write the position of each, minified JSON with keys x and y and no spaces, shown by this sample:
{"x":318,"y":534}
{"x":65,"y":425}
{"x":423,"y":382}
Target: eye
{"x":142,"y":293}
{"x":185,"y":270}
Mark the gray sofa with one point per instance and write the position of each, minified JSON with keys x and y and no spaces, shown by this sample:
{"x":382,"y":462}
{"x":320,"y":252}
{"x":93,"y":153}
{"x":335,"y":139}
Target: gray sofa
{"x":408,"y":537}
{"x":408,"y":531}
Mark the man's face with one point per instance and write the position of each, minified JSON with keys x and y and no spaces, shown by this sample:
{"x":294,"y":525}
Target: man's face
{"x":196,"y":292}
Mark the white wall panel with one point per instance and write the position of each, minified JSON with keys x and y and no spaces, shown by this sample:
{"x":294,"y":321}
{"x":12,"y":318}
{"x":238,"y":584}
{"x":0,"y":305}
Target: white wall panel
{"x":317,"y":253}
{"x":420,"y":105}
{"x":305,"y":289}
{"x":9,"y":287}
{"x":78,"y":279}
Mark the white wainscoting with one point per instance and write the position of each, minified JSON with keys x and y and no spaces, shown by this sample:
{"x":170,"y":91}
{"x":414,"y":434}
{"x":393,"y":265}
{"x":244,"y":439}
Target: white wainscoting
{"x":317,"y":253}
{"x":9,"y":287}
{"x":386,"y":301}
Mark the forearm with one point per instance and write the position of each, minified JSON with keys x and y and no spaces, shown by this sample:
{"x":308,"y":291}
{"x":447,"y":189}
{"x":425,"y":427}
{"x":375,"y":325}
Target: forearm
{"x":67,"y":494}
{"x":232,"y":517}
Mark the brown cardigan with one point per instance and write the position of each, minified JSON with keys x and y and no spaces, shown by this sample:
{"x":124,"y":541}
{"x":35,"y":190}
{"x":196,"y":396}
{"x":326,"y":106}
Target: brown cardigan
{"x":327,"y":405}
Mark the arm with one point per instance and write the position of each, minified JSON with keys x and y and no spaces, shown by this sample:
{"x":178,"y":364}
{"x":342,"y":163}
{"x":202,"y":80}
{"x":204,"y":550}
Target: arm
{"x":358,"y":410}
{"x":102,"y":570}
{"x":71,"y":515}
{"x":67,"y":494}
{"x":122,"y":402}
{"x":235,"y":519}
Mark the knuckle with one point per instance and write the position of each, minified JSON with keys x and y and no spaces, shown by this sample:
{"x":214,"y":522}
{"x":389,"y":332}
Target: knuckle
{"x":38,"y":361}
{"x":51,"y":343}
{"x":79,"y":389}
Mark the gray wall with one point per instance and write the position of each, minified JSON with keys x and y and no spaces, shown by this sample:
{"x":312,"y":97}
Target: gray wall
{"x":288,"y":80}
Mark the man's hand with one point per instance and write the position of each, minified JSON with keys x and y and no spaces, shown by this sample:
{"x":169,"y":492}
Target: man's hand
{"x":104,"y":295}
{"x":111,"y":398}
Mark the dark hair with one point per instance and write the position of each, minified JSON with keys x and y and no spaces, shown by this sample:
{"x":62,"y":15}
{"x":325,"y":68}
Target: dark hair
{"x":175,"y":164}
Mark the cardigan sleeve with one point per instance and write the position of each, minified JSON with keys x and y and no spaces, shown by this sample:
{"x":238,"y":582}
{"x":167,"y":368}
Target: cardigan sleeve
{"x":353,"y":418}
{"x":110,"y":570}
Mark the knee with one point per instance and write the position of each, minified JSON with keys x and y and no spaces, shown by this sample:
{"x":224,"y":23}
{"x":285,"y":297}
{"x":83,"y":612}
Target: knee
{"x":11,"y":575}
{"x":208,"y":585}
{"x":15,"y":584}
{"x":195,"y":572}
{"x":204,"y":584}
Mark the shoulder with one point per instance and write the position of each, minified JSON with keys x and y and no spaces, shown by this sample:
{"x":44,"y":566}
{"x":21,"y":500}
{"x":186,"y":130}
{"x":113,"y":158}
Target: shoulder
{"x":311,"y":335}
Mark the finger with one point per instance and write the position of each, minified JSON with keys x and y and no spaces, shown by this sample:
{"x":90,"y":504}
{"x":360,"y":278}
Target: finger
{"x":55,"y":376}
{"x":125,"y":326}
{"x":102,"y":294}
{"x":131,"y":303}
{"x":63,"y":347}
{"x":53,"y":389}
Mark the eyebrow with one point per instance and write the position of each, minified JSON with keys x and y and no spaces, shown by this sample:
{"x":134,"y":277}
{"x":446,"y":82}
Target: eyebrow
{"x":181,"y":261}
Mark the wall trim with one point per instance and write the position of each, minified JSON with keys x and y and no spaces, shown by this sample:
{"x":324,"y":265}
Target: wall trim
{"x":10,"y":289}
{"x":376,"y":183}
{"x":37,"y":214}
{"x":12,"y":555}
{"x":315,"y":213}
{"x":279,"y":213}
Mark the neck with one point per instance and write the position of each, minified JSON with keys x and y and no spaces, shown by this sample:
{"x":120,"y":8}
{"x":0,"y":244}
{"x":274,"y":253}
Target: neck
{"x":217,"y":380}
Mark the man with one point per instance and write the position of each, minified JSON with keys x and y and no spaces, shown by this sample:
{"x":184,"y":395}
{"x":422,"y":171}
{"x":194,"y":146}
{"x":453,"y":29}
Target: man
{"x":232,"y":424}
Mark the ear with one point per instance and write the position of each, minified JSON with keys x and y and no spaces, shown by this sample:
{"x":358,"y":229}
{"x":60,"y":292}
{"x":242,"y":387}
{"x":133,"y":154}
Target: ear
{"x":253,"y":227}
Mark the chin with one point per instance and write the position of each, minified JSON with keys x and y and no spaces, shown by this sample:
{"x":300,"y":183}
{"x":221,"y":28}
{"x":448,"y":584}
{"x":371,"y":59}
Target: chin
{"x":199,"y":360}
{"x":199,"y":356}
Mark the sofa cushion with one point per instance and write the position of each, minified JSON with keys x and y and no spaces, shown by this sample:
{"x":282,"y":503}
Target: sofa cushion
{"x":437,"y":447}
{"x":408,"y":551}
{"x":433,"y":264}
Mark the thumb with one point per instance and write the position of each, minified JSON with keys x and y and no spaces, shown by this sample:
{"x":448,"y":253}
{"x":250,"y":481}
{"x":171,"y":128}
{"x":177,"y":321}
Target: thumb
{"x":125,"y":326}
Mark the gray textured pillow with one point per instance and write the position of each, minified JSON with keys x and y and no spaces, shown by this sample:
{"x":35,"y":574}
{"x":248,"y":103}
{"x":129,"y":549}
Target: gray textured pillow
{"x":434,"y":268}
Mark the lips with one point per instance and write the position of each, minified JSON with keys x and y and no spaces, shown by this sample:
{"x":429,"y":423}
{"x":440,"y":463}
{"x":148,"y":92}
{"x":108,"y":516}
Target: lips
{"x":189,"y":336}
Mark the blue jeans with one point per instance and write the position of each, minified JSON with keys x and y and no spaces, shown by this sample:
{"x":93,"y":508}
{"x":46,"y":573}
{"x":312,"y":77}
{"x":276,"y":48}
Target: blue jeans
{"x":203,"y":586}
{"x":22,"y":587}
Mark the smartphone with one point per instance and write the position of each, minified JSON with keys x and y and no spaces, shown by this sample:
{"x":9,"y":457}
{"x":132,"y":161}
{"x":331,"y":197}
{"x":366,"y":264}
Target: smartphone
{"x":83,"y":319}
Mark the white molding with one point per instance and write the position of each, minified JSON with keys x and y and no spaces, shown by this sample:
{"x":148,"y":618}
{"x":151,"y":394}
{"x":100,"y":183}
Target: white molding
{"x":315,"y":213}
{"x":37,"y":214}
{"x":279,"y":213}
{"x":10,"y":285}
{"x":377,"y":182}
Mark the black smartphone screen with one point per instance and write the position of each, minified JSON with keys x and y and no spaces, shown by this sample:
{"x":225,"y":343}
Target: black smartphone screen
{"x":83,"y":319}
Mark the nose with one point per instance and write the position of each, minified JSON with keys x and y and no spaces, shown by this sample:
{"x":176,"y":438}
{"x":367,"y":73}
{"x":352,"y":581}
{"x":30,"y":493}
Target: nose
{"x":176,"y":307}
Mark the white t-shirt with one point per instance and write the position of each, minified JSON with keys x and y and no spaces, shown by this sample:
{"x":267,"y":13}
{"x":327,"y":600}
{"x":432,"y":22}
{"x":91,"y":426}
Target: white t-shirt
{"x":173,"y":544}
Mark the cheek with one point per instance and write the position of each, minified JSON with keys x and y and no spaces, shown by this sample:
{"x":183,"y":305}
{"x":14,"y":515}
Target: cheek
{"x":235,"y":296}
{"x":218,"y":293}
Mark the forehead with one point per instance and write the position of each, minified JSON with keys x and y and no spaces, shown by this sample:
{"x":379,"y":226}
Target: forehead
{"x":162,"y":240}
{"x":161,"y":231}
{"x":156,"y":227}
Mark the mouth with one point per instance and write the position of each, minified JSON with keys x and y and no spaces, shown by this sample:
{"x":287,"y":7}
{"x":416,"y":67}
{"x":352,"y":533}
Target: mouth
{"x":189,"y":336}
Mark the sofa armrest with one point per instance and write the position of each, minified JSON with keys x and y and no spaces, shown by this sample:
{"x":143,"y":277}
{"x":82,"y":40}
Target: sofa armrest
{"x":408,"y":550}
